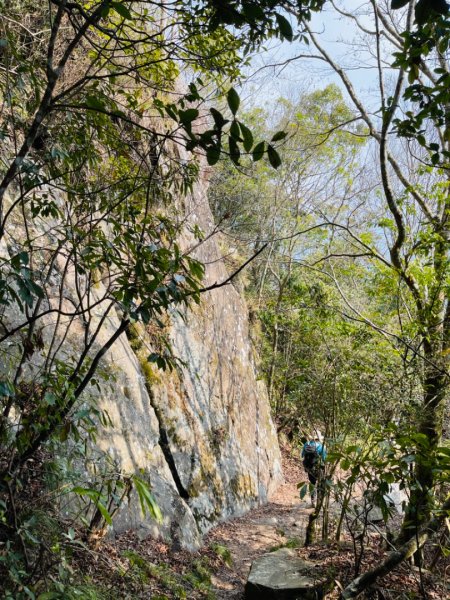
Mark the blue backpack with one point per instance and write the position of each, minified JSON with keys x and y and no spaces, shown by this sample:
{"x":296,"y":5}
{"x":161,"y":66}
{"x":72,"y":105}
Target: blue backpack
{"x":310,"y":455}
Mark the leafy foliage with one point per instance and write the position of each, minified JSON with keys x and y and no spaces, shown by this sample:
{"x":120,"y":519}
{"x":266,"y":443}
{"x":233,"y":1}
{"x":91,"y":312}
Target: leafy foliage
{"x":322,"y":367}
{"x":337,"y":264}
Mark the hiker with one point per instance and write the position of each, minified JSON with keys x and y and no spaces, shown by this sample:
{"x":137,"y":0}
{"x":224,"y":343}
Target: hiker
{"x":314,"y":455}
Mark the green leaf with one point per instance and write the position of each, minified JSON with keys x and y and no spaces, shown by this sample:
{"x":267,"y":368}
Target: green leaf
{"x":303,"y":490}
{"x":443,"y":45}
{"x":258,"y":151}
{"x":219,"y":119}
{"x":35,"y":289}
{"x":95,"y":102}
{"x":50,"y":399}
{"x":234,"y":150}
{"x":395,"y":4}
{"x":443,"y":451}
{"x":187,"y":116}
{"x":24,"y":293}
{"x":386,"y":222}
{"x":94,"y":495}
{"x":194,"y":95}
{"x":121,"y":10}
{"x":253,"y":12}
{"x":82,"y":491}
{"x":440,"y":6}
{"x":104,"y":511}
{"x":425,"y":8}
{"x":284,"y":27}
{"x":235,"y":131}
{"x":345,"y":464}
{"x":247,"y":136}
{"x":154,"y":357}
{"x":388,"y":477}
{"x":280,"y":135}
{"x":409,"y":458}
{"x":212,"y":155}
{"x":147,"y":500}
{"x":274,"y":157}
{"x":413,"y":73}
{"x":172,"y":111}
{"x":233,"y":100}
{"x":19,"y":259}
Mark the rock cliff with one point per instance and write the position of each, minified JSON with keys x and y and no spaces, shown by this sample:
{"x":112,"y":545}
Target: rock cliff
{"x":91,"y":166}
{"x":203,"y":434}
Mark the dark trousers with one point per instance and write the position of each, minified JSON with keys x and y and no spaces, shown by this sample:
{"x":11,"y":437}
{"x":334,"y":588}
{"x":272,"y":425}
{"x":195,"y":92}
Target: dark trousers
{"x":314,"y":473}
{"x":312,"y":477}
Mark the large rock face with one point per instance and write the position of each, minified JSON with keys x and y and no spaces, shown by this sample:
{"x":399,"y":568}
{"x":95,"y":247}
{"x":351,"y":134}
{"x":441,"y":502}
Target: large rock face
{"x":203,"y":436}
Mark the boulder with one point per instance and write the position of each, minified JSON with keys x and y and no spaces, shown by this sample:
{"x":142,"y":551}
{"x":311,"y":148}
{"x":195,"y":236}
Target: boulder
{"x":282,"y":575}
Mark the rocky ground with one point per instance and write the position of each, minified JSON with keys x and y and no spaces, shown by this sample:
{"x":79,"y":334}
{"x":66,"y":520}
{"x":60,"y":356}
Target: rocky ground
{"x":132,"y":569}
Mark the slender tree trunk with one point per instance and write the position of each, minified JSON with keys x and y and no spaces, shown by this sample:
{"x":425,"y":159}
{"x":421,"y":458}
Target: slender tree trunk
{"x":430,"y":425}
{"x":345,"y":503}
{"x":310,"y":534}
{"x":326,"y":516}
{"x":271,"y":382}
{"x":275,"y":341}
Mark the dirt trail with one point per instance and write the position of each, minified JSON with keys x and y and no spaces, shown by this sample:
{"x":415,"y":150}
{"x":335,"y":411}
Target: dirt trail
{"x":282,"y":520}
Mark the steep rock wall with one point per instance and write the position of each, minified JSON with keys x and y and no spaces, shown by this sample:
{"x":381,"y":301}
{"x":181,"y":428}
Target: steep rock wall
{"x":203,"y":435}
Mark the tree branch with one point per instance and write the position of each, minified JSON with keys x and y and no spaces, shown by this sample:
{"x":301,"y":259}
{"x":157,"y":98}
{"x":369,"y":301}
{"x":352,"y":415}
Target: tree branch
{"x":216,"y":285}
{"x":372,"y":129}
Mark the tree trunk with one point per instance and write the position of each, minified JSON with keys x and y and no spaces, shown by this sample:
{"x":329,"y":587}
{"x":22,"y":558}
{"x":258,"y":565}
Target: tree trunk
{"x":430,"y":425}
{"x":310,"y":534}
{"x":345,"y":503}
{"x":326,"y":516}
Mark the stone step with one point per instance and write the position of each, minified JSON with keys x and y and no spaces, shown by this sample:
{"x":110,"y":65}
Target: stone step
{"x":282,"y":575}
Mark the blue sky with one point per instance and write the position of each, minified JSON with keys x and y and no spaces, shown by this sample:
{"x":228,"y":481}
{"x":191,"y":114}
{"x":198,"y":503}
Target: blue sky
{"x":274,"y":76}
